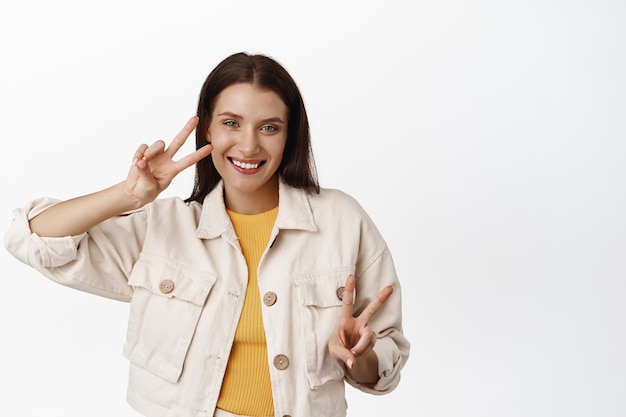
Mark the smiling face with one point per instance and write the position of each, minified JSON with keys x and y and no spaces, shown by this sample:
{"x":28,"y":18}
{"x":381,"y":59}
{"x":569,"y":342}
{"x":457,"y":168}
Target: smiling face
{"x":248,"y":131}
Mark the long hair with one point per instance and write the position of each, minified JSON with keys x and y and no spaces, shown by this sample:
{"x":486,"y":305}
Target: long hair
{"x":297,"y":167}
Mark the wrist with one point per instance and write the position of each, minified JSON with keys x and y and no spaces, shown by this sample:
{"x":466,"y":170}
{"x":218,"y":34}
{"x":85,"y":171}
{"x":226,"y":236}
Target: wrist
{"x":126,"y":201}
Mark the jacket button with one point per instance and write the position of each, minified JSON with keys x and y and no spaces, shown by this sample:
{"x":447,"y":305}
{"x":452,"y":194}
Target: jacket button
{"x":281,"y":362}
{"x":269,"y":298}
{"x":166,"y":286}
{"x":340,"y":293}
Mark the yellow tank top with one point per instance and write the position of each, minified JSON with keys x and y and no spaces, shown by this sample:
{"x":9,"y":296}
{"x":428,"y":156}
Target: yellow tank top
{"x":246,"y":388}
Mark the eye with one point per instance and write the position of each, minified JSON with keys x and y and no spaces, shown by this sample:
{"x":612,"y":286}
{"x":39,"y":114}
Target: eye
{"x":269,"y":128}
{"x":230,"y":123}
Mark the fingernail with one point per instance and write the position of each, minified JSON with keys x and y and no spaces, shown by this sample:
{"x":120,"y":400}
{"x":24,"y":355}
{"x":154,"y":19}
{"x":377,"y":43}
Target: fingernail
{"x":135,"y":160}
{"x":349,"y":363}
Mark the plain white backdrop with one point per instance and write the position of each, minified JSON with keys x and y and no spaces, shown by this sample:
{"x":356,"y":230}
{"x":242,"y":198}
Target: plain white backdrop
{"x":487,"y":139}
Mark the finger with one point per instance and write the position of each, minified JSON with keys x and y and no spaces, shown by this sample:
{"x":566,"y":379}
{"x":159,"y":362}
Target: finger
{"x":182,"y":136}
{"x":365,"y":343}
{"x":373,"y":307}
{"x":138,"y":157}
{"x":155,"y":149}
{"x":341,"y":353}
{"x":348,"y":297}
{"x":193,"y":158}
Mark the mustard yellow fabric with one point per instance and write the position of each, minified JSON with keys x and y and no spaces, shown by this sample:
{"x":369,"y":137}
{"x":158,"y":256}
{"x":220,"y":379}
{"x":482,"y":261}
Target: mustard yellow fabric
{"x":246,"y":388}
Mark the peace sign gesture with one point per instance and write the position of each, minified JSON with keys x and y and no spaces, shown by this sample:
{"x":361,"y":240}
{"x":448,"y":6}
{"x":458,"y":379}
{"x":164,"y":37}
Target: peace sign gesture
{"x":154,"y":167}
{"x":353,"y":338}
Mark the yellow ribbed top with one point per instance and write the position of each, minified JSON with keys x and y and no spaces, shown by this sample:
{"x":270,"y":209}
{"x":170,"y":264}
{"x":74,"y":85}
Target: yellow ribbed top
{"x":246,"y":388}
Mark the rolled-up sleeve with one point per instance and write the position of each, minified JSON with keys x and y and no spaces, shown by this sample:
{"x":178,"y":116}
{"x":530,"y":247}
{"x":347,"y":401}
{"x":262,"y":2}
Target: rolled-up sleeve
{"x":392,"y":347}
{"x":97,"y":262}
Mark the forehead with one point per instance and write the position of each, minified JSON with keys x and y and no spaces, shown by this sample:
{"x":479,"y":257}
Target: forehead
{"x":247,"y":99}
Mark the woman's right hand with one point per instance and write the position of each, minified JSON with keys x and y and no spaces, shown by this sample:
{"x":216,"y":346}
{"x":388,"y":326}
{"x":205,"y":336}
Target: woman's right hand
{"x":152,"y":171}
{"x":153,"y":166}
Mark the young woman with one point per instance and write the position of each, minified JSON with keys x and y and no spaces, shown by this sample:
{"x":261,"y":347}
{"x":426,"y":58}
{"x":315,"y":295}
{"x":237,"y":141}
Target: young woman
{"x":261,"y":293}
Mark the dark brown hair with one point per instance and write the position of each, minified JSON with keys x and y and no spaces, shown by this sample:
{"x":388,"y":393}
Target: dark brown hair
{"x":297,"y":167}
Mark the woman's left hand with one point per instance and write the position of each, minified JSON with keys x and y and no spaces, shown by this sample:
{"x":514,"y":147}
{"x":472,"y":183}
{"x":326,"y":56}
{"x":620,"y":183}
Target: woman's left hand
{"x":353,"y":338}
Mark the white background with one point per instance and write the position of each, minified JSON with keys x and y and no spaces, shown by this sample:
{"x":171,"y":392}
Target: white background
{"x":487,"y":139}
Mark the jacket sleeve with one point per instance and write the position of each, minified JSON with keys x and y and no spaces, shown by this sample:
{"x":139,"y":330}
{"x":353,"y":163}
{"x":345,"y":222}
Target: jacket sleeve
{"x":98,"y":262}
{"x":374,"y":271}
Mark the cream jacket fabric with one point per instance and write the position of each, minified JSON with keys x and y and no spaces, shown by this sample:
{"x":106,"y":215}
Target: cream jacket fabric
{"x":181,"y":268}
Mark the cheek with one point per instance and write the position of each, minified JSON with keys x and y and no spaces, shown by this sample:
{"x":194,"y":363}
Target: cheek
{"x":221,"y":147}
{"x":220,"y":141}
{"x":216,"y":137}
{"x":212,"y":132}
{"x":218,"y":155}
{"x":218,"y":149}
{"x":278,"y":147}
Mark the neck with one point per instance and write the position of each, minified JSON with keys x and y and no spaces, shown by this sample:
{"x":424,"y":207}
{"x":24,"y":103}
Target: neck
{"x":255,"y":202}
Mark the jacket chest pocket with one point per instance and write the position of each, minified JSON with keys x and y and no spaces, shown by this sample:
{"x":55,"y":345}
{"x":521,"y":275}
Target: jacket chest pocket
{"x":319,"y":296}
{"x":167,"y":302}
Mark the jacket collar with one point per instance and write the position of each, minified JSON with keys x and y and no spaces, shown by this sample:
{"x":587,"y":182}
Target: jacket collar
{"x":294,"y":212}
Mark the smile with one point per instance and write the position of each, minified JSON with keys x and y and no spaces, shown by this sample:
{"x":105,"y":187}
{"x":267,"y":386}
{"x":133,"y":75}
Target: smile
{"x":246,"y":165}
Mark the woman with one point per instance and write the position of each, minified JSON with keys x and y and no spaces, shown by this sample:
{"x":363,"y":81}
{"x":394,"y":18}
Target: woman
{"x":261,"y":293}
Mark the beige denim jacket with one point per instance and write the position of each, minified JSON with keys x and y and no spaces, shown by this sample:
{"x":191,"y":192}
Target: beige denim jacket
{"x":181,"y":268}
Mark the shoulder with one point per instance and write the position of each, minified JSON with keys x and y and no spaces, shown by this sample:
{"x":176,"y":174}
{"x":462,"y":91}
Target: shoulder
{"x":172,"y":206}
{"x":334,"y":195}
{"x":339,"y":205}
{"x":339,"y":211}
{"x":330,"y":207}
{"x":172,"y":202}
{"x":335,"y":198}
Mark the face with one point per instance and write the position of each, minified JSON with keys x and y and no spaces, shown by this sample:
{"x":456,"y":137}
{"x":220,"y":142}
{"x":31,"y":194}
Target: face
{"x":248,"y":132}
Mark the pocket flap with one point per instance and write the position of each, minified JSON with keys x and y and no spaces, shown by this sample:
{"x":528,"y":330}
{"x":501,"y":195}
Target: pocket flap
{"x":169,"y":279}
{"x":322,"y":288}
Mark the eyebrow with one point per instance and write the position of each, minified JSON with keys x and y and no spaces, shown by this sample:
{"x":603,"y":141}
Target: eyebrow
{"x":237,"y":116}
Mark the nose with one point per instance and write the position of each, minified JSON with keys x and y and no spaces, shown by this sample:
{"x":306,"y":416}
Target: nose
{"x":248,"y":143}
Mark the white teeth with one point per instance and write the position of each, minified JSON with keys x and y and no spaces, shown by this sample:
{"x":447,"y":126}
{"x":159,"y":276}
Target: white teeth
{"x":245,"y":165}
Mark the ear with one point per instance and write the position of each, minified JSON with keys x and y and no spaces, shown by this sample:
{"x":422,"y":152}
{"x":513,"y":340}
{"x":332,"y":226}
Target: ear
{"x":208,"y":136}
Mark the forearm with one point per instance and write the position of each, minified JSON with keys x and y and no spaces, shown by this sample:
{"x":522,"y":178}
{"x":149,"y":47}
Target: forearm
{"x":77,"y":215}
